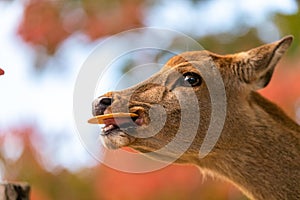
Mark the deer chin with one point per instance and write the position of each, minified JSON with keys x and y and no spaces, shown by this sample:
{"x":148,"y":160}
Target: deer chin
{"x":116,"y":138}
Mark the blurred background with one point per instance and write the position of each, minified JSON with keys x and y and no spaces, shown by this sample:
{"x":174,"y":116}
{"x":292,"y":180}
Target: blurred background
{"x":42,"y":47}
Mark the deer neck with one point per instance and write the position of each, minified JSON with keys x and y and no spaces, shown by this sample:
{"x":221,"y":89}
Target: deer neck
{"x":259,"y":151}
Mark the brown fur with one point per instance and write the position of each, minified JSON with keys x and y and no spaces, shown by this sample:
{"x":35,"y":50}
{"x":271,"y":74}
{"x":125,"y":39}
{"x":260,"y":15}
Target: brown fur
{"x":259,"y":147}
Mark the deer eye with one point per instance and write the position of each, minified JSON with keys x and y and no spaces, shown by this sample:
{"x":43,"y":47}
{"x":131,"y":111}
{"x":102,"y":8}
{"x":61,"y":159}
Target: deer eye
{"x":191,"y":79}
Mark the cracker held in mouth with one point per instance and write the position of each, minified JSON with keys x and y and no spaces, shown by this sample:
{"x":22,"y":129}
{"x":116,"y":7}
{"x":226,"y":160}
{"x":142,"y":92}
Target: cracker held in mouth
{"x":100,"y":118}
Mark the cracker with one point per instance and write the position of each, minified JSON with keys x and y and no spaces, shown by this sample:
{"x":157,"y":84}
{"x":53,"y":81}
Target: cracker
{"x":100,"y":118}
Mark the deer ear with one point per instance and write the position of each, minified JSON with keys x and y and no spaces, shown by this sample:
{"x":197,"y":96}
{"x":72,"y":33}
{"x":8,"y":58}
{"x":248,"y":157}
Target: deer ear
{"x":256,"y":66}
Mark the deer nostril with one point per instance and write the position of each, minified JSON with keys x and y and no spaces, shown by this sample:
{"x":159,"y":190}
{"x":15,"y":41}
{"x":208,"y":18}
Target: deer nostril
{"x":100,"y":105}
{"x":105,"y":101}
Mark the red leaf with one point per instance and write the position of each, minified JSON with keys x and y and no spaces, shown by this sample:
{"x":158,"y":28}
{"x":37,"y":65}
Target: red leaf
{"x":42,"y":25}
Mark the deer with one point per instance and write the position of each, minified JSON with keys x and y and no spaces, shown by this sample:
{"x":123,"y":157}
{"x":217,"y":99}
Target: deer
{"x":258,"y":149}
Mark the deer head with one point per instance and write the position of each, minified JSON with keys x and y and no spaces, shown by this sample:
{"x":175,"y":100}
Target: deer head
{"x":173,"y":90}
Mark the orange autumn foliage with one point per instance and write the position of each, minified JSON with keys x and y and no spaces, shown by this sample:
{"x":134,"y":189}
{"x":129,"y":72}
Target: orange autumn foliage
{"x":49,"y":23}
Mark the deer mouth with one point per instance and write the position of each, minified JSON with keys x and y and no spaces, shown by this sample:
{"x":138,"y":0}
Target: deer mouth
{"x":112,"y":125}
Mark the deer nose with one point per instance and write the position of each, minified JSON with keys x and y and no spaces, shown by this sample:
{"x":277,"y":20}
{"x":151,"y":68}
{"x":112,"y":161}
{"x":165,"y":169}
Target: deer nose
{"x":100,"y":105}
{"x":105,"y":101}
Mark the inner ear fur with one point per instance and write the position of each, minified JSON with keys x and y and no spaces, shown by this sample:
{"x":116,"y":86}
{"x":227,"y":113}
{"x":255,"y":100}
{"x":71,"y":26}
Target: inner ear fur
{"x":256,"y":66}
